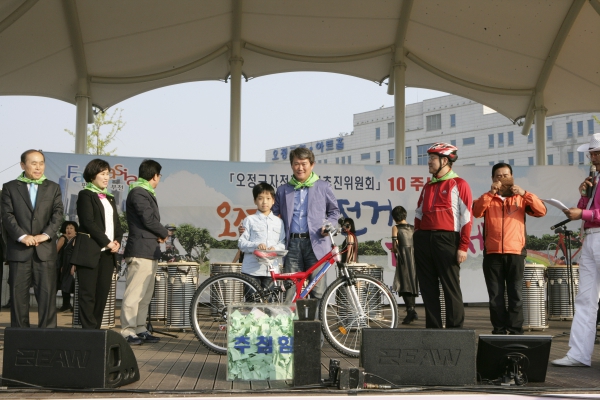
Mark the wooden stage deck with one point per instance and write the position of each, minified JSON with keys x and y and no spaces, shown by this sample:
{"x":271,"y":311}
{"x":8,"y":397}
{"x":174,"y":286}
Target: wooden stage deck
{"x":182,"y":367}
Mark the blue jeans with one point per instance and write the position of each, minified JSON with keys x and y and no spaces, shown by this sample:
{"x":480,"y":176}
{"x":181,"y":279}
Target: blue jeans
{"x":301,"y":257}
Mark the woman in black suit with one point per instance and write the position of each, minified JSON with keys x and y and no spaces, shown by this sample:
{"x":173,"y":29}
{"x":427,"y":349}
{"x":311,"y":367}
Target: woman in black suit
{"x":99,"y":219}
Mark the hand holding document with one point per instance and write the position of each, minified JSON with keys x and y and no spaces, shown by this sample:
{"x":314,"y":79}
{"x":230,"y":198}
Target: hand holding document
{"x":556,"y":203}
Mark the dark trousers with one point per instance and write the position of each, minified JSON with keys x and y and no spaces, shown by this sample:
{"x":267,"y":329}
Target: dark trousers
{"x":42,"y":276}
{"x":505,"y":271}
{"x":262,"y":281}
{"x":94,"y":286}
{"x":301,"y":257}
{"x":435,"y":258}
{"x":409,"y":301}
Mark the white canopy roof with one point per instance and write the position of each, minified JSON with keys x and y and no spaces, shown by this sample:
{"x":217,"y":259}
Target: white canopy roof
{"x":45,"y":46}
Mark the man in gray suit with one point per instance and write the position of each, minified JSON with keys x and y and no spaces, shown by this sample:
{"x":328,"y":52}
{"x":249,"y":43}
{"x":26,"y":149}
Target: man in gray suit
{"x":303,"y":204}
{"x":141,"y":253}
{"x":32,"y":212}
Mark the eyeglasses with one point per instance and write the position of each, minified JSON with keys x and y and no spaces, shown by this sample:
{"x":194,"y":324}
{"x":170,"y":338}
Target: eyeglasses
{"x":592,"y":154}
{"x":346,"y":225}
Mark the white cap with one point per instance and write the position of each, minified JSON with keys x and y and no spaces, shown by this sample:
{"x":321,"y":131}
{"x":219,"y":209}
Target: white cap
{"x":593,"y":146}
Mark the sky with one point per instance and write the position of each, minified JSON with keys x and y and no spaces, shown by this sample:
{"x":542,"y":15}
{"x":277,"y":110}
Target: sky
{"x":191,"y":120}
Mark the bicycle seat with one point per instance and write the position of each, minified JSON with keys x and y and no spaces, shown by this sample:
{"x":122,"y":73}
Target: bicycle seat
{"x":269,"y":254}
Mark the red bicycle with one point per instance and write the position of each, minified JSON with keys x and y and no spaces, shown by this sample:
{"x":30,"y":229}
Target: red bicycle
{"x":351,"y":303}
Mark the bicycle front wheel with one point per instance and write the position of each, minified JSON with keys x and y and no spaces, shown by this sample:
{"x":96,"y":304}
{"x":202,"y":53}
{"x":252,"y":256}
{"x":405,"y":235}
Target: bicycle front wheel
{"x":208,"y":309}
{"x":347,"y":309}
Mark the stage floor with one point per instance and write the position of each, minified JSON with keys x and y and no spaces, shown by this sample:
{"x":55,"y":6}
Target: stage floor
{"x":182,"y":367}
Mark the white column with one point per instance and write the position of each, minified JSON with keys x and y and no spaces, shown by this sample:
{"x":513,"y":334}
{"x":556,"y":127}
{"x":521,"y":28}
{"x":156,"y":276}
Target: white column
{"x":540,"y":129}
{"x":82,"y":103}
{"x":399,"y":108}
{"x":235,"y":67}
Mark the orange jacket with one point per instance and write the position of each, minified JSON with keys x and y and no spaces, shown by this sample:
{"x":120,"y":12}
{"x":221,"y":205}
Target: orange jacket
{"x":504,"y":221}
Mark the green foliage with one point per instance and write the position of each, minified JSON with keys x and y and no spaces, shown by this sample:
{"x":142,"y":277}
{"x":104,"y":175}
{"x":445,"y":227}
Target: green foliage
{"x":224,"y":244}
{"x":541,"y":244}
{"x":123,"y":221}
{"x":196,"y":241}
{"x":97,"y":139}
{"x":371,"y":248}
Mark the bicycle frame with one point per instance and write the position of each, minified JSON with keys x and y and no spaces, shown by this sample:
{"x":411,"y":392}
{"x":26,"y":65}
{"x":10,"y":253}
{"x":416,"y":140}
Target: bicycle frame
{"x":298,"y":278}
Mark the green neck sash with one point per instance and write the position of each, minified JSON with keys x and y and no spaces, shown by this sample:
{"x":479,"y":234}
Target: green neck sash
{"x":23,"y":178}
{"x":141,"y":182}
{"x":308,"y":183}
{"x":93,"y":188}
{"x":449,"y":175}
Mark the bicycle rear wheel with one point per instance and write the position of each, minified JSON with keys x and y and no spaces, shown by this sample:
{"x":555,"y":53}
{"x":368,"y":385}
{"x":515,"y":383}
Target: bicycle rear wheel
{"x":208,"y":309}
{"x":344,"y":315}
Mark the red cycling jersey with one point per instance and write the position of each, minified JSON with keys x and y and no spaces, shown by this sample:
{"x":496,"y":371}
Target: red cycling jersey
{"x":446,"y":206}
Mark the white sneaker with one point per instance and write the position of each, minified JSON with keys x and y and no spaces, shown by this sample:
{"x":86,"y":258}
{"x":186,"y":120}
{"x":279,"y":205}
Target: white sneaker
{"x":567,"y":361}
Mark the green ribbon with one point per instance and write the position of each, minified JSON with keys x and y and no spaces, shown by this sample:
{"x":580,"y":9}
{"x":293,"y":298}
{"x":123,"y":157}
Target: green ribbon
{"x":141,"y":182}
{"x":451,"y":174}
{"x":307,"y":183}
{"x":93,"y":188}
{"x":23,"y":178}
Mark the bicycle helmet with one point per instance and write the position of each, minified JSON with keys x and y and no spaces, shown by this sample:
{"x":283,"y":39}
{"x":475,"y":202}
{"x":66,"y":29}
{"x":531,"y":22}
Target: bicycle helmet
{"x":444,"y":150}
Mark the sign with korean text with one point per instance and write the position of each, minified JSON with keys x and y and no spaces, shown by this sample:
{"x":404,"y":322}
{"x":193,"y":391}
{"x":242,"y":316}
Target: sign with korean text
{"x":217,"y":195}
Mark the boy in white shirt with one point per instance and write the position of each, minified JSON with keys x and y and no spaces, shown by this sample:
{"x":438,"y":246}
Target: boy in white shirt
{"x":263,"y":231}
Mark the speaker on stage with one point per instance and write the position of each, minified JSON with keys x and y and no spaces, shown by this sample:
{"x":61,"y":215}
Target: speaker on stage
{"x":67,"y":358}
{"x":419,"y":356}
{"x":307,"y":353}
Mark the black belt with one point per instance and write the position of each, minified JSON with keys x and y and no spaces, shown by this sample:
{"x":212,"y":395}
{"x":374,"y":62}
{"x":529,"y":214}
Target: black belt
{"x":299,"y":235}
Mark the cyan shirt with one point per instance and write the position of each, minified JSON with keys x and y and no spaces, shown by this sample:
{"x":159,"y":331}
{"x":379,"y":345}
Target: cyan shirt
{"x":299,"y":219}
{"x":260,"y":229}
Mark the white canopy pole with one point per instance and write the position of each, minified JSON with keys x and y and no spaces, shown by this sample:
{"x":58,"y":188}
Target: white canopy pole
{"x":399,"y":109}
{"x":81,"y":120}
{"x":399,"y":82}
{"x":235,"y":66}
{"x":540,"y":129}
{"x":82,"y":98}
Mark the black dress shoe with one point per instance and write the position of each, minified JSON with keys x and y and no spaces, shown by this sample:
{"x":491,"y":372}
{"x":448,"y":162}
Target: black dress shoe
{"x":148,"y":338}
{"x":411,"y":315}
{"x":133,"y":340}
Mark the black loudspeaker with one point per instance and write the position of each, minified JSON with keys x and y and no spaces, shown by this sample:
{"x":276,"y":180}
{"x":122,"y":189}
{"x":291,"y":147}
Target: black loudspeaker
{"x":419,"y":356}
{"x":67,"y":358}
{"x":307,"y":352}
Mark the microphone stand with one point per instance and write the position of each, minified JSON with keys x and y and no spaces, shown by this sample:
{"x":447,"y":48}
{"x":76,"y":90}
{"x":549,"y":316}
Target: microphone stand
{"x":568,"y":234}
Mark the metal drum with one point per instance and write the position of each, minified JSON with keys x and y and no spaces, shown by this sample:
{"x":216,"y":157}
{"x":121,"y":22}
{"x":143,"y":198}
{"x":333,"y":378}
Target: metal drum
{"x":374,"y":304}
{"x":559,"y":286}
{"x":76,"y":320}
{"x":442,"y":305}
{"x":221,"y":268}
{"x":158,"y":305}
{"x":534,"y":297}
{"x":233,"y":292}
{"x":181,"y":286}
{"x":108,"y":318}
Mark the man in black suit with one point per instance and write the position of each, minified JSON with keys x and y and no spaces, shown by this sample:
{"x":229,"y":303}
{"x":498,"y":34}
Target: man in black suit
{"x":141,"y":253}
{"x":32,"y":212}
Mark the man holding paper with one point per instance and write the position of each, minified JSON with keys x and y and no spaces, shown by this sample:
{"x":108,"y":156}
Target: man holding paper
{"x":583,"y":328}
{"x":504,"y":209}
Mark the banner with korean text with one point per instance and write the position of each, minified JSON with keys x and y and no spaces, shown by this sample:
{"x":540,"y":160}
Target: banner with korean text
{"x":217,"y":195}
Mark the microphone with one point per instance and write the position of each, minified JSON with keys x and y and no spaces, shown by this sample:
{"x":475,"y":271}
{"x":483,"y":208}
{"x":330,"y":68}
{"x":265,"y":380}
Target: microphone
{"x":566,"y":221}
{"x":590,"y":189}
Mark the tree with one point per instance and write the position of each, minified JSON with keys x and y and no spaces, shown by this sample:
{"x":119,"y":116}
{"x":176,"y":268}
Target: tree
{"x":196,"y":241}
{"x":123,"y":222}
{"x":371,"y":248}
{"x":97,"y":139}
